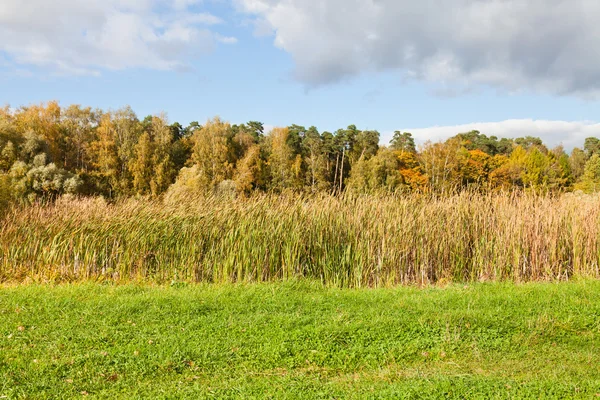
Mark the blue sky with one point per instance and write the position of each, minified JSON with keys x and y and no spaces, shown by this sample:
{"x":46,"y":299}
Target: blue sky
{"x":282,"y":62}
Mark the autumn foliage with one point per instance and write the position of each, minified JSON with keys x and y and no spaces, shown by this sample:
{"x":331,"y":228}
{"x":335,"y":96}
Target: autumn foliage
{"x":47,"y":150}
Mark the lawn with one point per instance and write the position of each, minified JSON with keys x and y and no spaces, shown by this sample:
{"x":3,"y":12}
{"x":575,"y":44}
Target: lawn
{"x":300,"y":340}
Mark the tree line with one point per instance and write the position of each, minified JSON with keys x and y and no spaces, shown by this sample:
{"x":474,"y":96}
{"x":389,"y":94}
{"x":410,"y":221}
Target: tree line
{"x":47,"y":150}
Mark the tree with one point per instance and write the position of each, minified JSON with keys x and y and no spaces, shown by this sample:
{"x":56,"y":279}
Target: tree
{"x":473,"y":167}
{"x":104,"y":155}
{"x":41,"y":179}
{"x":164,"y":174}
{"x":313,"y":149}
{"x":212,"y":153}
{"x":242,"y":137}
{"x":248,"y":170}
{"x":181,"y":152}
{"x":115,"y":154}
{"x":8,"y":156}
{"x":475,"y":140}
{"x":78,"y":126}
{"x":177,"y":130}
{"x":366,"y":144}
{"x":590,"y":181}
{"x":440,"y":164}
{"x":6,"y":192}
{"x":127,"y":131}
{"x":561,"y":175}
{"x":285,"y":166}
{"x":536,"y":172}
{"x":384,"y":171}
{"x":528,"y":142}
{"x":377,"y":174}
{"x":33,"y":144}
{"x":164,"y":169}
{"x":191,"y":128}
{"x":514,"y":167}
{"x":296,"y":134}
{"x":403,"y":142}
{"x":411,"y":171}
{"x":141,"y":165}
{"x":500,"y":176}
{"x":345,"y":154}
{"x":591,"y":146}
{"x":577,"y":162}
{"x":113,"y":150}
{"x":360,"y":174}
{"x":7,"y":127}
{"x":181,"y":148}
{"x":44,"y":120}
{"x":257,"y":129}
{"x":217,"y":147}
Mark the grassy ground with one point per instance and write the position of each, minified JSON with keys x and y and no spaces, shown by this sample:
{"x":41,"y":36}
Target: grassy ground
{"x":299,"y":340}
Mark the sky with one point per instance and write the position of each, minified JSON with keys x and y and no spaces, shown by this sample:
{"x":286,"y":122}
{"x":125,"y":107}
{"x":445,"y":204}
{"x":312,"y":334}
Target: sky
{"x":435,"y":68}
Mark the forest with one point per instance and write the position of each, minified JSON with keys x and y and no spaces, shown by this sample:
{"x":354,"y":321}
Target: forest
{"x":47,"y":150}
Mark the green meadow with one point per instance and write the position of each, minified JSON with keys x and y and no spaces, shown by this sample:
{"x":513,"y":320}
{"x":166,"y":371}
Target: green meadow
{"x":300,"y":340}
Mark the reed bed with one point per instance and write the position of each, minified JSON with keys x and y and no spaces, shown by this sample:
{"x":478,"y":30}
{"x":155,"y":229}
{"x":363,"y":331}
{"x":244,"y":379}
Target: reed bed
{"x":344,"y":241}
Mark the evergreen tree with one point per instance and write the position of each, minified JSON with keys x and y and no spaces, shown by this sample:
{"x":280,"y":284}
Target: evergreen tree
{"x":591,"y":146}
{"x":403,"y":142}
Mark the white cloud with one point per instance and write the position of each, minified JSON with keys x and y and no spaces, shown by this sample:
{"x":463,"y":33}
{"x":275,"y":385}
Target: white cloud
{"x":88,"y":36}
{"x":202,"y":18}
{"x":553,"y":133}
{"x":226,"y":39}
{"x":547,"y":46}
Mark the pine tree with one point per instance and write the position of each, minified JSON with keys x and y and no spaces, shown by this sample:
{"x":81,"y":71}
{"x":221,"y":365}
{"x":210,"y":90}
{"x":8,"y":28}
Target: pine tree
{"x":316,"y":161}
{"x":403,"y":142}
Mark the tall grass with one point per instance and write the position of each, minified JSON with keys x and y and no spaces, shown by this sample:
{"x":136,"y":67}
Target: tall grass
{"x":342,"y":241}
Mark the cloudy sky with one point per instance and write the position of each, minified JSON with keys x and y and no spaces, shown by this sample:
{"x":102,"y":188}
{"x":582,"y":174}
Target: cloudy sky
{"x":433,"y":67}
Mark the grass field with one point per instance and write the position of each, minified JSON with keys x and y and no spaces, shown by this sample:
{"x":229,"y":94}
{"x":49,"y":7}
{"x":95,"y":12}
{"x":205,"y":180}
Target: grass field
{"x":300,"y":340}
{"x":340,"y":241}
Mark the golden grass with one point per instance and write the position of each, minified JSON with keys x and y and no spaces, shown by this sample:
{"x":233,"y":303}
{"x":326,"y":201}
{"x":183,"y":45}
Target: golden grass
{"x":342,"y":241}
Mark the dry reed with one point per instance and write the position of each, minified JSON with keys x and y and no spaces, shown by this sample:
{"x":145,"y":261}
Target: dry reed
{"x":341,"y":241}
